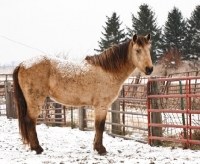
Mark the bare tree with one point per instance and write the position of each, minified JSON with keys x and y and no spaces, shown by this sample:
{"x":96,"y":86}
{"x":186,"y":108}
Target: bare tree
{"x":171,"y":58}
{"x":62,"y":55}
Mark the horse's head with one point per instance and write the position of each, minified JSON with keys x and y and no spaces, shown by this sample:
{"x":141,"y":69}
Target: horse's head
{"x":141,"y":57}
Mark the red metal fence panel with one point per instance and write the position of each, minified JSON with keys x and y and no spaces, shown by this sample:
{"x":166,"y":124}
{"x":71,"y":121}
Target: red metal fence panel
{"x":179,"y":109}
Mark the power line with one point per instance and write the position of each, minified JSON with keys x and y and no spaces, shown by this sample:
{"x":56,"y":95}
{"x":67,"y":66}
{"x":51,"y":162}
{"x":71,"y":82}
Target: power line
{"x":22,"y":44}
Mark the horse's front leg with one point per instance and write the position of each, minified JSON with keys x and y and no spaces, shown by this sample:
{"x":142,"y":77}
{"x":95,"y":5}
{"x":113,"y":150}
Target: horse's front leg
{"x":100,"y":117}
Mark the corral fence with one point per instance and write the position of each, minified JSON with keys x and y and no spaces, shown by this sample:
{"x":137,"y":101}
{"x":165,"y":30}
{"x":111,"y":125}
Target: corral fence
{"x":154,"y":110}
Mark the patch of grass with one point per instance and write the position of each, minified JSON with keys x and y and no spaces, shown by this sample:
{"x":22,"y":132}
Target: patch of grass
{"x":196,"y":135}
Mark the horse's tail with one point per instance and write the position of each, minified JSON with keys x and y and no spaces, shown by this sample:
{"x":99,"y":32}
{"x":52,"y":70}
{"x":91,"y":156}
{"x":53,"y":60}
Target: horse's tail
{"x":21,"y":107}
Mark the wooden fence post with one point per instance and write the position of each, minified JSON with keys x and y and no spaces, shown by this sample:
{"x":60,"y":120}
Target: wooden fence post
{"x":7,"y":89}
{"x":82,"y":116}
{"x":58,"y":113}
{"x":48,"y":100}
{"x":13,"y":113}
{"x":116,"y":129}
{"x":156,"y":117}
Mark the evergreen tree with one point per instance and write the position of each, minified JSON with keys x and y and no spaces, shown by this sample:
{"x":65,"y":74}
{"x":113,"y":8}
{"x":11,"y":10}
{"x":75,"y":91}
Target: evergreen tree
{"x":193,"y":33}
{"x":189,"y":44}
{"x":146,"y":23}
{"x":113,"y":34}
{"x":175,"y":32}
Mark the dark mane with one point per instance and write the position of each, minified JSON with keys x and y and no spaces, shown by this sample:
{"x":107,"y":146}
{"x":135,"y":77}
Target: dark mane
{"x":111,"y":59}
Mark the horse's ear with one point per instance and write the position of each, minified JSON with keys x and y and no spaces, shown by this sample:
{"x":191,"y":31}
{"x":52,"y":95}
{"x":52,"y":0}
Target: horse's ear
{"x":135,"y":38}
{"x":148,"y":36}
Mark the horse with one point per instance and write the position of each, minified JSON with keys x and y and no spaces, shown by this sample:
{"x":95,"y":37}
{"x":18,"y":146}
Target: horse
{"x":95,"y":81}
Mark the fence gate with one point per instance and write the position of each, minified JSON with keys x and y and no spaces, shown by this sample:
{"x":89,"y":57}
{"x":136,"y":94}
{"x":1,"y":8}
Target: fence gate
{"x":176,"y":108}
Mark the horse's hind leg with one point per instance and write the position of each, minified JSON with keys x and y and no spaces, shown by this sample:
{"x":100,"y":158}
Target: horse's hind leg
{"x":100,"y":117}
{"x":34,"y":143}
{"x":31,"y":120}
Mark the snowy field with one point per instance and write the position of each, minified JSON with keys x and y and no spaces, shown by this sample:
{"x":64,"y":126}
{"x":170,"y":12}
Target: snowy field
{"x":64,"y":145}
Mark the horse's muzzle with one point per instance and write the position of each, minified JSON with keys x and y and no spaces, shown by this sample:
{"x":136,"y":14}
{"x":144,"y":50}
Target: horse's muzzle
{"x":148,"y":70}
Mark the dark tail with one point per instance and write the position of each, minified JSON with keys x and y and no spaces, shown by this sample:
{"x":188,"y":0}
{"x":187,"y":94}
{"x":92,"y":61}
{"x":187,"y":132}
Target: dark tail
{"x":21,"y":107}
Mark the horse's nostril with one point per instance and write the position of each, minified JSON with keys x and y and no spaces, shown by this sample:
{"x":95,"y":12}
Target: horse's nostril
{"x":149,"y":70}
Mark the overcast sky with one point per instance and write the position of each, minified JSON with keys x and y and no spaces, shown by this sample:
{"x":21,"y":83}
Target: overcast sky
{"x":71,"y":27}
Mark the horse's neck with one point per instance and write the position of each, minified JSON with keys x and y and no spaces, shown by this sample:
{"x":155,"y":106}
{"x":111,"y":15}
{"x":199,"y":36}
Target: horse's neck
{"x":128,"y":68}
{"x":125,"y":72}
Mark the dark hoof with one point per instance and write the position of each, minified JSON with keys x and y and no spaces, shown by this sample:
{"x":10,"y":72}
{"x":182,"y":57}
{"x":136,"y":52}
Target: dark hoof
{"x":38,"y":149}
{"x":100,"y":149}
{"x":103,"y":153}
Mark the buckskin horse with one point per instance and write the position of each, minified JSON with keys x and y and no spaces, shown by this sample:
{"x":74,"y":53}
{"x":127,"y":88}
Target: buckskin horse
{"x":96,"y":81}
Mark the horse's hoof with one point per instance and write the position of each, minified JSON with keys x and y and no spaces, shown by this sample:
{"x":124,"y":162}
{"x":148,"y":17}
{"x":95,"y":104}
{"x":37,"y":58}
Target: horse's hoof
{"x":101,"y":150}
{"x":103,"y":153}
{"x":38,"y":149}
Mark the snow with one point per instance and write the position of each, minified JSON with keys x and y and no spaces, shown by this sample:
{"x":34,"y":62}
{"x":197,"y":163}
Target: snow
{"x":70,"y":68}
{"x":33,"y":61}
{"x":65,"y":67}
{"x":64,"y":145}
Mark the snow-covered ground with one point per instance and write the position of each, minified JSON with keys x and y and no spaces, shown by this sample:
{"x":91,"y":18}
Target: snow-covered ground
{"x":64,"y":145}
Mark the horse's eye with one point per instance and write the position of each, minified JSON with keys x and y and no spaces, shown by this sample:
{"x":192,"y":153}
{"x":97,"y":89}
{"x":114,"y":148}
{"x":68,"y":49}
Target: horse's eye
{"x":138,"y":51}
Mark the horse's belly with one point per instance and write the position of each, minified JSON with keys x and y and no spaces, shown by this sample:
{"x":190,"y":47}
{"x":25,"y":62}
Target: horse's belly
{"x":84,"y":91}
{"x":72,"y":98}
